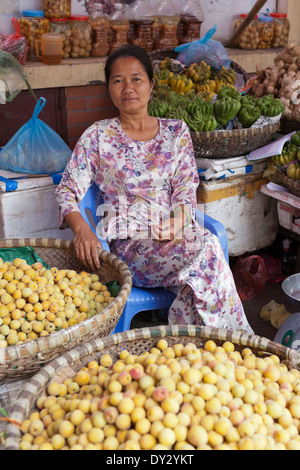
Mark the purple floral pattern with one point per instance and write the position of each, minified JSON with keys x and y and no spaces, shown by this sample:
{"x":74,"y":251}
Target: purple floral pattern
{"x":141,"y":183}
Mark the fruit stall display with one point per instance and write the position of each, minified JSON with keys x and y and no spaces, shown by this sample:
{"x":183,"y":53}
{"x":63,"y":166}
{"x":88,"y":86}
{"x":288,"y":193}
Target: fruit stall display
{"x":282,"y":80}
{"x":163,"y":388}
{"x":209,"y":102}
{"x":52,"y":306}
{"x":284,"y":168}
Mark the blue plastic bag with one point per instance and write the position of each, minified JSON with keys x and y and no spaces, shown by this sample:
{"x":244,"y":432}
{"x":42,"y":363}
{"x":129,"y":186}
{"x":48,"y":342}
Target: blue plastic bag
{"x":35,"y":148}
{"x":207,"y":49}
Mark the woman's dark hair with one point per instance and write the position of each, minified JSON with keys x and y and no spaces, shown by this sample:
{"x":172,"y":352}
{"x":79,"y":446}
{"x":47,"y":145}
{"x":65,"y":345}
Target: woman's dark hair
{"x":129,"y":51}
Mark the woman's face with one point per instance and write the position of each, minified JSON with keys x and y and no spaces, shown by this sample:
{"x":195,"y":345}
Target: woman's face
{"x":129,"y":85}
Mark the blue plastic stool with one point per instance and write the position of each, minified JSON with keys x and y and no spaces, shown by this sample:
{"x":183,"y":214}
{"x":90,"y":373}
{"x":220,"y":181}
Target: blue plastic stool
{"x":144,"y":299}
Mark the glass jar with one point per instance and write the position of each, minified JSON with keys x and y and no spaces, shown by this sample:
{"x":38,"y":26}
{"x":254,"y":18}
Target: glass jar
{"x":249,"y":39}
{"x":168,"y":33}
{"x":57,"y":8}
{"x":189,"y":29}
{"x":142,"y":33}
{"x":81,"y":37}
{"x":100,"y":28}
{"x":118,"y":28}
{"x":281,"y":29}
{"x":32,"y":25}
{"x":266,"y":32}
{"x":61,"y":26}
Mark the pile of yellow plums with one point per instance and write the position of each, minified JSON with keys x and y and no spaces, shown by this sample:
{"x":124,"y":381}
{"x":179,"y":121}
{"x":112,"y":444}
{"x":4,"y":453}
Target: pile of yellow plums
{"x":175,"y":396}
{"x":36,"y":301}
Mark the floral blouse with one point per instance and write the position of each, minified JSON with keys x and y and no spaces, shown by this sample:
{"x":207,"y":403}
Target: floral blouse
{"x":140,"y":182}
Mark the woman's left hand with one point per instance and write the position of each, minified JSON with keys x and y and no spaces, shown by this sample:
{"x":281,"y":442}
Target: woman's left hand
{"x":169,"y":229}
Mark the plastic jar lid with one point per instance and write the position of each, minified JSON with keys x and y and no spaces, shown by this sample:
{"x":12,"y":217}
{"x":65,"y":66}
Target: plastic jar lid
{"x":278,"y":15}
{"x":79,"y":18}
{"x":34,"y":13}
{"x":265,"y":18}
{"x":243,"y":15}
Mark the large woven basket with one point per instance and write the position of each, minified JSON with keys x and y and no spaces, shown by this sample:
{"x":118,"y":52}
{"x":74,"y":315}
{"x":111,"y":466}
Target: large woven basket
{"x":24,"y":360}
{"x":136,"y":342}
{"x":282,"y":179}
{"x":226,"y":144}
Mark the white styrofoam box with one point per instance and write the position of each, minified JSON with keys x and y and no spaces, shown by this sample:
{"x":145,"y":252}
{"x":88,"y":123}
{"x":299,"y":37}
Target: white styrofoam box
{"x":226,"y":168}
{"x":219,"y":164}
{"x":28,"y":208}
{"x":249,"y":216}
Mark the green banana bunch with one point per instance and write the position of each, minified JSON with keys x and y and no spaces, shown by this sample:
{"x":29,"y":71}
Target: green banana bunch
{"x":248,"y":115}
{"x":248,"y":100}
{"x":202,"y":123}
{"x":157,"y":108}
{"x":179,"y":113}
{"x":226,"y":110}
{"x":289,"y":154}
{"x":295,"y":139}
{"x":229,"y":93}
{"x":270,"y":106}
{"x":203,"y":107}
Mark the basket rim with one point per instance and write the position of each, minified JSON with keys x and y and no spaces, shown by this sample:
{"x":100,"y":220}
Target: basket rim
{"x":62,"y":337}
{"x":22,"y":404}
{"x":220,"y":135}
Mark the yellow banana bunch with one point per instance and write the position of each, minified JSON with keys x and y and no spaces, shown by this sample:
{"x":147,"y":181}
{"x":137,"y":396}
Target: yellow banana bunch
{"x":207,"y":85}
{"x":226,"y":75}
{"x":293,"y":171}
{"x":181,"y":84}
{"x":199,"y":72}
{"x":206,"y":95}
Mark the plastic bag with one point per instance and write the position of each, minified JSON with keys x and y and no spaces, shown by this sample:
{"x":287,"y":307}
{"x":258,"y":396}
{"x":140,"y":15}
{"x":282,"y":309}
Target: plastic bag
{"x":207,"y":49}
{"x":12,"y":78}
{"x":24,"y":252}
{"x":250,"y":275}
{"x":35,"y":148}
{"x":15,"y":44}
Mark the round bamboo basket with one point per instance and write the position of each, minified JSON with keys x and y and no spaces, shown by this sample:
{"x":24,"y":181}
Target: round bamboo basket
{"x":21,"y":361}
{"x":282,"y":179}
{"x":136,"y":342}
{"x":227,"y":144}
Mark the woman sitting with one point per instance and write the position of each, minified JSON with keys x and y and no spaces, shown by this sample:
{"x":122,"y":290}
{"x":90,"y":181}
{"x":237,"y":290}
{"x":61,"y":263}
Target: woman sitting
{"x":145,"y":168}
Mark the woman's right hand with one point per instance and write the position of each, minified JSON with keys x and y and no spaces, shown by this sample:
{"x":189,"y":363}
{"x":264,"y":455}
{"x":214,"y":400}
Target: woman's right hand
{"x":86,"y":243}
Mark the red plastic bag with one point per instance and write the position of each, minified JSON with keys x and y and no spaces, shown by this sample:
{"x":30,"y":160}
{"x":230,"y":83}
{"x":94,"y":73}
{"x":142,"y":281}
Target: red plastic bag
{"x":250,"y":275}
{"x":15,"y":44}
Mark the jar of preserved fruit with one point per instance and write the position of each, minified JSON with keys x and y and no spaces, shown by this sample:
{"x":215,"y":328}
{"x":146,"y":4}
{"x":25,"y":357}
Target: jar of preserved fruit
{"x":266,"y":32}
{"x":118,"y":28}
{"x":189,"y":29}
{"x":281,"y":29}
{"x":57,"y":8}
{"x":249,"y":39}
{"x":81,"y":36}
{"x":168,"y":33}
{"x":32,"y":25}
{"x":142,"y":33}
{"x":100,"y":27}
{"x":61,"y":26}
